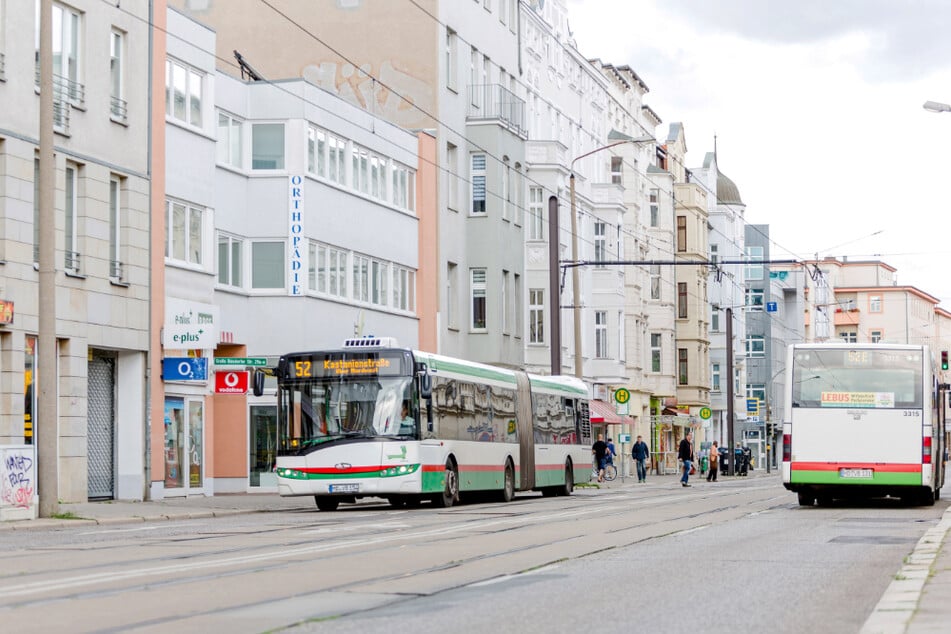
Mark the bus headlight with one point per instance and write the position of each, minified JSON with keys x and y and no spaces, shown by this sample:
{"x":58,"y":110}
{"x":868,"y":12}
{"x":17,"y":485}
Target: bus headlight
{"x":403,"y":469}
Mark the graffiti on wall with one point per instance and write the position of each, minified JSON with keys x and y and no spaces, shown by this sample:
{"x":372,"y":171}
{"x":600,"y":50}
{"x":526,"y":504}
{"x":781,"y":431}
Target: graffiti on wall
{"x":17,"y":477}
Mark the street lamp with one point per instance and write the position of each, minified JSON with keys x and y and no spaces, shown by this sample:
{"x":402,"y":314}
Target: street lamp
{"x":576,"y":301}
{"x":936,"y":106}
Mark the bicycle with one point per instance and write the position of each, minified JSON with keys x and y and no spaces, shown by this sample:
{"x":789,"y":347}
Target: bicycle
{"x":610,"y":472}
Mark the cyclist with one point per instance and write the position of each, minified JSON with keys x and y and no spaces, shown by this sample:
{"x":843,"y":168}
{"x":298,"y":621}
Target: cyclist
{"x":611,"y":453}
{"x":600,"y":450}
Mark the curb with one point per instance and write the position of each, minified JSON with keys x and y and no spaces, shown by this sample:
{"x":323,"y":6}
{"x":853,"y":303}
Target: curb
{"x":898,"y":604}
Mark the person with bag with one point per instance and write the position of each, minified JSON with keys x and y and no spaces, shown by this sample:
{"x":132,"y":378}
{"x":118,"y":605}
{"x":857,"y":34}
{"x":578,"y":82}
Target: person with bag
{"x":641,"y":454}
{"x":685,"y":454}
{"x":714,"y":462}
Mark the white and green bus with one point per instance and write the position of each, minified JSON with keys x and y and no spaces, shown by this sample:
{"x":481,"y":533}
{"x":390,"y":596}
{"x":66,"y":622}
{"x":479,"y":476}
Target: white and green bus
{"x":374,"y":419}
{"x":862,"y":420}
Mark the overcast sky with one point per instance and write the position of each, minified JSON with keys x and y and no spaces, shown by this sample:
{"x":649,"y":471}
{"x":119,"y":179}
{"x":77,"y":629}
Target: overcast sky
{"x":817,"y":109}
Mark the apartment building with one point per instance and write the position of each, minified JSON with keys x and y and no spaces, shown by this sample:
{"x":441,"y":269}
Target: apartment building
{"x":103,"y":133}
{"x":457,"y":78}
{"x":291,"y":223}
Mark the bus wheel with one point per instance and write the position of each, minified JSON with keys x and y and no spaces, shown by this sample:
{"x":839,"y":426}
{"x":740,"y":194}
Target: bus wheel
{"x":326,"y":503}
{"x":569,"y":485}
{"x":806,"y":499}
{"x":824,"y":500}
{"x":396,"y":501}
{"x":508,"y":483}
{"x":450,"y":492}
{"x":927,"y":497}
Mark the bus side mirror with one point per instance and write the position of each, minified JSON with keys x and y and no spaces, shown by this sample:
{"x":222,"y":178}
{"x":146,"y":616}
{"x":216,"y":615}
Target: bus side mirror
{"x":257,"y":387}
{"x":425,"y":381}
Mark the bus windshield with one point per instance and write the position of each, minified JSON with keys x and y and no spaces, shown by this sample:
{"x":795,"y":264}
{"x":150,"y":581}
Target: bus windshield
{"x":857,"y":378}
{"x":317,"y":411}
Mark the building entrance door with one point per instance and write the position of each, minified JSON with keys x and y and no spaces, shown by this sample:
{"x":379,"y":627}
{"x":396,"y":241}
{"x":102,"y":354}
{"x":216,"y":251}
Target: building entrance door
{"x":101,"y":426}
{"x":263,"y":446}
{"x":184,"y":445}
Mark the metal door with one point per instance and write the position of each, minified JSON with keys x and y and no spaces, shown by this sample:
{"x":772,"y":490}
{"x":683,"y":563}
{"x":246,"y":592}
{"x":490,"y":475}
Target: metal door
{"x":101,"y":427}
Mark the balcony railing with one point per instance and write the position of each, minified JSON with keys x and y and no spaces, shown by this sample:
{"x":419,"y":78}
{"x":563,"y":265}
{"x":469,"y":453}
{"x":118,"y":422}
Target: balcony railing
{"x":118,"y":109}
{"x":115,"y":270}
{"x":71,"y":261}
{"x":495,"y":102}
{"x":65,"y":89}
{"x":61,"y":110}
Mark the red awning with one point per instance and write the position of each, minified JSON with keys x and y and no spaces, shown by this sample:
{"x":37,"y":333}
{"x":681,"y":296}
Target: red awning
{"x":601,"y":412}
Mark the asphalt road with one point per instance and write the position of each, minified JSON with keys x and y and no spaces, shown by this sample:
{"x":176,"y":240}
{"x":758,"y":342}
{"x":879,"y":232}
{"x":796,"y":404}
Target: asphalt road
{"x":737,"y":555}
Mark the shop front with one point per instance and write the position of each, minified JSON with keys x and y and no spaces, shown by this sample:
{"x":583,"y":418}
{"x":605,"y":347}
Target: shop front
{"x":184,"y":446}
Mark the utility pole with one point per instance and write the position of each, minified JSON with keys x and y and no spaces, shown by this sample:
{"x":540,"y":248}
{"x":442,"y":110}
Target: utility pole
{"x":554,"y":295}
{"x":46,"y":421}
{"x":575,"y":282}
{"x":730,"y":397}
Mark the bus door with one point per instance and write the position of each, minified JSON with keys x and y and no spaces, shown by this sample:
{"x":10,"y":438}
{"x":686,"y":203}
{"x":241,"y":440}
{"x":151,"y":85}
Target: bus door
{"x":526,"y":432}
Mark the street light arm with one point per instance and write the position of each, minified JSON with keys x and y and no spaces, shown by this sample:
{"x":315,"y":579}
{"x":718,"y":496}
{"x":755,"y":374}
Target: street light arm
{"x":611,"y":145}
{"x":936,"y":106}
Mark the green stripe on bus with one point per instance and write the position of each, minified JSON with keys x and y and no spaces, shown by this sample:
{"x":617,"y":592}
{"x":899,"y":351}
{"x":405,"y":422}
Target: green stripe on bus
{"x":561,"y":387}
{"x":434,"y":481}
{"x":832,"y":477}
{"x":474,"y":371}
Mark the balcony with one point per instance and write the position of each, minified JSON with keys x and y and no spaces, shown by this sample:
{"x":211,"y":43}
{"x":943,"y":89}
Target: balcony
{"x":494,"y":102}
{"x":847,"y":317}
{"x":118,"y":110}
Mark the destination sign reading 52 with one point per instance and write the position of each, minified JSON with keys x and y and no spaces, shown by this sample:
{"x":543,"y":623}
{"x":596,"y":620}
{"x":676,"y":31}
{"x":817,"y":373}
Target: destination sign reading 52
{"x":347,"y":365}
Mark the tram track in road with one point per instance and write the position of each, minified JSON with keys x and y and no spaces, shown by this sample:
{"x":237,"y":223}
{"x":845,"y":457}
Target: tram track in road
{"x":523,"y":529}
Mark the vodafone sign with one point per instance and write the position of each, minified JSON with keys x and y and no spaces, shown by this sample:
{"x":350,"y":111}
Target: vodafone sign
{"x":231,"y":382}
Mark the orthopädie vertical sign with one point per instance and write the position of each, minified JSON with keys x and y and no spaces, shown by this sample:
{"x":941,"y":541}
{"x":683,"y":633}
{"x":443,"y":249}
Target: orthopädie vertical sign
{"x":295,"y":238}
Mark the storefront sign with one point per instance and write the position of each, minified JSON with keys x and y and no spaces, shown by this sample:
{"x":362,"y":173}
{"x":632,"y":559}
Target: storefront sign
{"x":190,"y":325}
{"x":234,"y":382}
{"x":184,"y":369}
{"x":295,"y":239}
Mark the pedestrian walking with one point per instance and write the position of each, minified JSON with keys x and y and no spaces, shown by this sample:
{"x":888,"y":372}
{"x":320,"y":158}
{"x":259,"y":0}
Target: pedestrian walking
{"x":685,"y":453}
{"x":612,"y":452}
{"x":641,"y":454}
{"x":714,"y":462}
{"x":600,"y":449}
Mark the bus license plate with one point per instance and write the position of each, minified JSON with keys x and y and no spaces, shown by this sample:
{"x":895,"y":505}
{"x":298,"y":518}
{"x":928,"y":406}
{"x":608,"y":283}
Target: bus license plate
{"x":344,"y":488}
{"x":855,"y":473}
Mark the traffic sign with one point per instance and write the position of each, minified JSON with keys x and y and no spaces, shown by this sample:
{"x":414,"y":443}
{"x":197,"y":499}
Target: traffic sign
{"x":254,"y":362}
{"x":705,"y":413}
{"x":234,"y":382}
{"x":185,"y":369}
{"x":622,"y":396}
{"x":752,"y":406}
{"x":771,"y":307}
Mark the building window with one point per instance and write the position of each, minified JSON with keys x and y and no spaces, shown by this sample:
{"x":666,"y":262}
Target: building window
{"x":67,"y":47}
{"x":600,"y":244}
{"x":360,"y":172}
{"x":117,"y":105}
{"x":754,"y":299}
{"x":681,"y":300}
{"x":183,"y":233}
{"x":755,"y":346}
{"x":229,"y":260}
{"x":655,"y":209}
{"x":875,"y":303}
{"x":536,"y":315}
{"x":715,"y":318}
{"x":404,"y":288}
{"x":601,"y":334}
{"x":404,"y":183}
{"x":452,"y":298}
{"x":474,"y":59}
{"x":875,"y":336}
{"x":517,"y":304}
{"x":183,"y":93}
{"x":617,"y":170}
{"x":504,"y":302}
{"x":655,"y":281}
{"x":681,"y":233}
{"x":754,"y":271}
{"x":452,"y":176}
{"x":518,"y":195}
{"x":506,"y":188}
{"x":535,"y":210}
{"x":267,"y":146}
{"x":655,"y":351}
{"x":849,"y":337}
{"x":229,"y":140}
{"x":682,"y":366}
{"x":477,"y":292}
{"x":36,"y":211}
{"x":267,"y":265}
{"x":328,"y":270}
{"x":115,"y":228}
{"x":714,"y":253}
{"x":71,"y":244}
{"x":715,"y":378}
{"x":378,"y":168}
{"x":336,"y":159}
{"x":477,"y":177}
{"x":361,"y":278}
{"x":450,"y":60}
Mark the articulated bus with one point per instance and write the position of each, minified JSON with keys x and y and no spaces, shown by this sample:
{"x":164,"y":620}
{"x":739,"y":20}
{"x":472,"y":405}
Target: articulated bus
{"x":862,"y":420}
{"x":373,"y":419}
